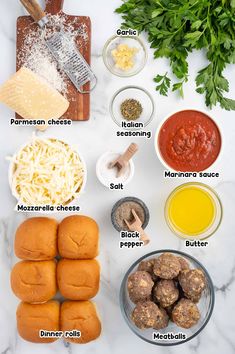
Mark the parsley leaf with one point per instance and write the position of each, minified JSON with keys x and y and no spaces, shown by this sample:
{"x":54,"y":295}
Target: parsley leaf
{"x":176,"y":28}
{"x":164,"y":84}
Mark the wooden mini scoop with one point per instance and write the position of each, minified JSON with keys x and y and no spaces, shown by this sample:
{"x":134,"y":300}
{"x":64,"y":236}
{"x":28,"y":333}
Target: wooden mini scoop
{"x":137,"y":226}
{"x":122,"y":161}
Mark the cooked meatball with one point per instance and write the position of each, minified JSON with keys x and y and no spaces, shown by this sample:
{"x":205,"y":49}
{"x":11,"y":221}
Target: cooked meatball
{"x":167,"y":266}
{"x":185,"y":314}
{"x":140,"y":286}
{"x":166,"y":293}
{"x":181,"y":293}
{"x":169,"y":310}
{"x":183,"y":263}
{"x":147,"y":266}
{"x":147,"y":315}
{"x":162,"y":319}
{"x":193,"y":283}
{"x":195,"y":298}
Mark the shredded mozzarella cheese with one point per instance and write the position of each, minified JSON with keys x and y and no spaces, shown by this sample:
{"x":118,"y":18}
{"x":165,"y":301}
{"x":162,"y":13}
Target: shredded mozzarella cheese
{"x":47,"y":171}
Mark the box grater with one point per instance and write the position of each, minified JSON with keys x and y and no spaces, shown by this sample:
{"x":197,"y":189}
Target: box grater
{"x":64,"y":50}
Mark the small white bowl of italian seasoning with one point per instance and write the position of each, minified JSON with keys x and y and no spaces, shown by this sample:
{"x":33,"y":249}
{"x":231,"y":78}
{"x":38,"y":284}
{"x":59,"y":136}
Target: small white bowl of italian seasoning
{"x":132,"y":108}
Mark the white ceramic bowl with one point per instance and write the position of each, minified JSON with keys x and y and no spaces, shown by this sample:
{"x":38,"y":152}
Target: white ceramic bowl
{"x":118,"y":180}
{"x":12,"y":167}
{"x":157,"y":149}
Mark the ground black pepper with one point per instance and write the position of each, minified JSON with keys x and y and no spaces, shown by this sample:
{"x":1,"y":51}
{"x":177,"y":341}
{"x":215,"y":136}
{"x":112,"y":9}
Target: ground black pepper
{"x":124,"y":211}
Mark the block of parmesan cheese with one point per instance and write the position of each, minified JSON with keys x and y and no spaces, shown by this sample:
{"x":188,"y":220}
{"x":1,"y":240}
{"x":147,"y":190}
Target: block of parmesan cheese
{"x":31,"y":97}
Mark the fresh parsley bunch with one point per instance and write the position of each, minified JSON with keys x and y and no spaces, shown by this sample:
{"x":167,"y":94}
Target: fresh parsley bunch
{"x":177,"y":27}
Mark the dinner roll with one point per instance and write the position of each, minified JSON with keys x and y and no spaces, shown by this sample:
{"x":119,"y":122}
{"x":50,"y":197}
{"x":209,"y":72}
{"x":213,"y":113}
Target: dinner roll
{"x":82,"y":316}
{"x":33,"y":318}
{"x":36,"y":239}
{"x":78,"y":280}
{"x":34,"y":281}
{"x":78,"y":237}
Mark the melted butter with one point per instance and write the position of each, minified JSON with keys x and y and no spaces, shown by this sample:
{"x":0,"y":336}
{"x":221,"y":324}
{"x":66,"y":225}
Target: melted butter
{"x":191,"y":210}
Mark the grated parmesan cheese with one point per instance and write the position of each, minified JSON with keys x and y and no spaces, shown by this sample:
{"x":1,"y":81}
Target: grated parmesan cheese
{"x":35,"y":55}
{"x":47,"y":171}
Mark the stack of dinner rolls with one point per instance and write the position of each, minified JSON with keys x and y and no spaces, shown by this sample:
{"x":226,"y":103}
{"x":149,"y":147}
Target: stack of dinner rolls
{"x":75,"y":273}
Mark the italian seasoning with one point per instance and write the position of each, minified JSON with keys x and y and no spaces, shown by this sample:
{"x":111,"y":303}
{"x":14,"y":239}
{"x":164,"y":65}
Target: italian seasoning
{"x":131,"y":109}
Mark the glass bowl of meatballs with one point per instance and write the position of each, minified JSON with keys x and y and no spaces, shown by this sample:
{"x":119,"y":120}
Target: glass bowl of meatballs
{"x":167,"y":297}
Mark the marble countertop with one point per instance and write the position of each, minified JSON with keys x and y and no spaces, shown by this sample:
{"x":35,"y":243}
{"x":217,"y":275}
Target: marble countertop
{"x":93,"y":138}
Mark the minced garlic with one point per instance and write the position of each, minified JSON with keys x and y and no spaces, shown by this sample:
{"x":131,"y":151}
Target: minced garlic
{"x":124,"y":56}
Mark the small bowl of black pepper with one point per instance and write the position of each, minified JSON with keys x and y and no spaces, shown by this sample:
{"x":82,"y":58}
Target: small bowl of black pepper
{"x":122,"y":211}
{"x":132,"y":108}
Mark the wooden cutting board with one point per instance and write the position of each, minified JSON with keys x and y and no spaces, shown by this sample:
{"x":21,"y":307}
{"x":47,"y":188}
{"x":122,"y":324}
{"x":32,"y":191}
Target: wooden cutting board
{"x":79,"y":109}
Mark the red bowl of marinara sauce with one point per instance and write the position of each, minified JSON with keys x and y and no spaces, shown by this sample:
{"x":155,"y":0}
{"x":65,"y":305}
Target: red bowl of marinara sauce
{"x":188,"y":141}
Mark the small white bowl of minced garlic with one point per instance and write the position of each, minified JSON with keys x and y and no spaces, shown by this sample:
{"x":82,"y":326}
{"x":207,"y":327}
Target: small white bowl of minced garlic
{"x":124,"y":55}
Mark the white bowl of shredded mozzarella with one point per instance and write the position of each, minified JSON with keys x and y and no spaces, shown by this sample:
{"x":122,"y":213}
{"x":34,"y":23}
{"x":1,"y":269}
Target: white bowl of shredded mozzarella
{"x":46,"y":172}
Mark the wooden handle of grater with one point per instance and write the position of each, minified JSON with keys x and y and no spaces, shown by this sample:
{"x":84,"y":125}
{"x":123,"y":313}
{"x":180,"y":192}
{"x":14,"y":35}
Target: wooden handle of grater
{"x":33,"y":9}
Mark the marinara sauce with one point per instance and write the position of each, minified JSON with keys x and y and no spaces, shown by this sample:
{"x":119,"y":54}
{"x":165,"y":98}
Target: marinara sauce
{"x":189,"y":141}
